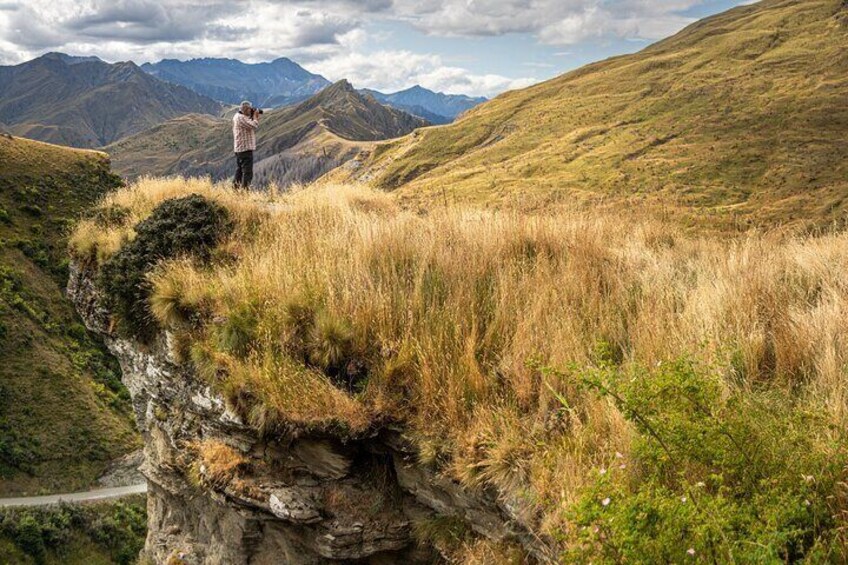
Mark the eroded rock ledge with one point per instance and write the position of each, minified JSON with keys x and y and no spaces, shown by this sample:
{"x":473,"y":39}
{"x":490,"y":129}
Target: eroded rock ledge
{"x":300,"y":499}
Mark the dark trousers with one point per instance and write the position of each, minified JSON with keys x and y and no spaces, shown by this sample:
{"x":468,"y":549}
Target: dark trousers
{"x":244,"y":169}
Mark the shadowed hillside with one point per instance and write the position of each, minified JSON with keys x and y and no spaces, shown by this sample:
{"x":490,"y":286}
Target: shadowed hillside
{"x":295,"y":144}
{"x":64,"y":414}
{"x":740,"y":118}
{"x":84,"y":102}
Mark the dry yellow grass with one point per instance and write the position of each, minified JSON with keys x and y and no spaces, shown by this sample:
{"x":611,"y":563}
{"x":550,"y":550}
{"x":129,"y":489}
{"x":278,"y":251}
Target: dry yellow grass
{"x":432,"y":321}
{"x":218,"y":463}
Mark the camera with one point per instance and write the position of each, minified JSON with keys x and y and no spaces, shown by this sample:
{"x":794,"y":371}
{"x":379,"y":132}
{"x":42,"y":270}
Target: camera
{"x":259,"y":111}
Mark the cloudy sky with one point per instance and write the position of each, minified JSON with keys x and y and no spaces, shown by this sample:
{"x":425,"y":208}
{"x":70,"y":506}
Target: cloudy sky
{"x":479,"y":47}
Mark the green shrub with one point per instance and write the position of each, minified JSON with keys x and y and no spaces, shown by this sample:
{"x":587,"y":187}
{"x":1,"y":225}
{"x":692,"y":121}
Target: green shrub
{"x":716,"y":475}
{"x":122,"y":531}
{"x":28,"y":536}
{"x":117,"y":529}
{"x":36,"y":251}
{"x":238,"y":333}
{"x":33,"y":210}
{"x":191,"y":225}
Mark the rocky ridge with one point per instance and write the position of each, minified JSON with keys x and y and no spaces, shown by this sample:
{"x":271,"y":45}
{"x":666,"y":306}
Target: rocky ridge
{"x":291,"y":498}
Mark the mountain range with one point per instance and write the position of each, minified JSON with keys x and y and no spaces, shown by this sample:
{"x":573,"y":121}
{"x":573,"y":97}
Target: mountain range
{"x":272,"y":84}
{"x":296,"y":144}
{"x":435,"y":107}
{"x":88,"y":103}
{"x":739,"y":119}
{"x":85,"y":102}
{"x":282,"y":82}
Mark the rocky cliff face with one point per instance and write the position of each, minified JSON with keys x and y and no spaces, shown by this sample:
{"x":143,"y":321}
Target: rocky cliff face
{"x":283,"y":498}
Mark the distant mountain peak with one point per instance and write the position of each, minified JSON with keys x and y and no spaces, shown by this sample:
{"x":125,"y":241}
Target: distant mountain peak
{"x":269,"y":84}
{"x":340,"y":86}
{"x":71,"y":59}
{"x":435,"y":107}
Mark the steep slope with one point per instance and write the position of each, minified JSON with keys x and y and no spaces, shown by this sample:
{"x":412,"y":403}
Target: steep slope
{"x":435,"y":107}
{"x":89,"y":103}
{"x":295,"y":144}
{"x":739,"y":119}
{"x":272,"y":84}
{"x":63,"y":412}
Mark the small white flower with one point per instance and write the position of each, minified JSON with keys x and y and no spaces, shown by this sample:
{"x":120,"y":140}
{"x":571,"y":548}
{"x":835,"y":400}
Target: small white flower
{"x":619,"y":455}
{"x":700,"y":484}
{"x":602,"y":471}
{"x":606,"y":501}
{"x":683,"y":499}
{"x":691,"y":551}
{"x":807,"y":503}
{"x":808,"y":478}
{"x":622,"y":466}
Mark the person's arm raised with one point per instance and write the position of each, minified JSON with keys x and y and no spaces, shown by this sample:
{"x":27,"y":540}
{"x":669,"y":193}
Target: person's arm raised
{"x":248,"y":122}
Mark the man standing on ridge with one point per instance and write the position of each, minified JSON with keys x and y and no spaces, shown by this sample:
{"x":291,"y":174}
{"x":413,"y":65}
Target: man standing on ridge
{"x":245,"y":124}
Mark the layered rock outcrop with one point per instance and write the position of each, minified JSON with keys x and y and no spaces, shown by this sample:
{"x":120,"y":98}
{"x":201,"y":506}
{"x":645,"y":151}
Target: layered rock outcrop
{"x":291,"y":497}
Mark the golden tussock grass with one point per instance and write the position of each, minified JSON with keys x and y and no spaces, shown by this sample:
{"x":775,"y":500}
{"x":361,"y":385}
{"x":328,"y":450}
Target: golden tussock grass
{"x":218,"y":463}
{"x":335,"y":308}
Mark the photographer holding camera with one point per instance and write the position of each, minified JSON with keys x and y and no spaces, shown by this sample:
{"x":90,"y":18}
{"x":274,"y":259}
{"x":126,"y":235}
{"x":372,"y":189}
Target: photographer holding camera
{"x":245,"y":124}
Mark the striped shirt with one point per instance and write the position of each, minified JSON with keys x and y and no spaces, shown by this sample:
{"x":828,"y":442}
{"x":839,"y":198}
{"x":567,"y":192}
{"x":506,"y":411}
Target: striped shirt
{"x":244,"y":133}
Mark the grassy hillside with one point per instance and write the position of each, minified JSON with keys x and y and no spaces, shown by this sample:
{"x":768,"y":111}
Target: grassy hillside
{"x":738,"y":119}
{"x":634,"y":393}
{"x":294,"y":144}
{"x":63,"y":412}
{"x":89,"y":103}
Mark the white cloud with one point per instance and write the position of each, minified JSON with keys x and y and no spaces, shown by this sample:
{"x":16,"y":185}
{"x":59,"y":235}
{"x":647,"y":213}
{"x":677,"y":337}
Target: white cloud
{"x":333,"y":37}
{"x":397,"y":70}
{"x":558,"y":22}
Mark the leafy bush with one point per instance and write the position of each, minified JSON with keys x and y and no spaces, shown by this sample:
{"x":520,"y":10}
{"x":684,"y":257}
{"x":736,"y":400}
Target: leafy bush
{"x":118,"y":529}
{"x":32,"y":210}
{"x":191,"y":225}
{"x":716,"y":476}
{"x":36,"y":251}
